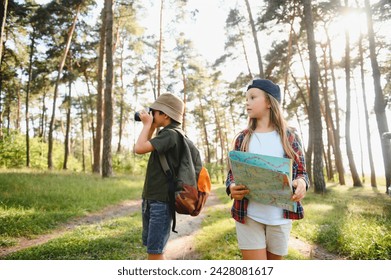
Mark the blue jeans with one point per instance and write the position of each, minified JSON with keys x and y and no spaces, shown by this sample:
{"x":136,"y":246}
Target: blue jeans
{"x":156,"y":225}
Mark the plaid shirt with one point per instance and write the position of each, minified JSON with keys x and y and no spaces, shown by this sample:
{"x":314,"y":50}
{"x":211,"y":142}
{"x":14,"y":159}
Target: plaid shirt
{"x":239,"y":207}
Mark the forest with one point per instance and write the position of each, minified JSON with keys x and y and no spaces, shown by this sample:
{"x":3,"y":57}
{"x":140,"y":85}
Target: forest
{"x":74,"y":72}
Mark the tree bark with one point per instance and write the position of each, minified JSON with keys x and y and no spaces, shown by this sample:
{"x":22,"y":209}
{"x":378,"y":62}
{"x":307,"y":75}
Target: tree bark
{"x":97,"y":144}
{"x":3,"y":16}
{"x":380,"y":103}
{"x":122,"y":103}
{"x":184,"y":96}
{"x":349,"y":151}
{"x":203,"y":123}
{"x":254,"y":31}
{"x":159,"y":56}
{"x":328,"y":119}
{"x":336,"y":129}
{"x":107,"y":169}
{"x":32,"y":46}
{"x":67,"y":141}
{"x":316,"y":123}
{"x":83,"y":108}
{"x":61,"y":66}
{"x":369,"y":141}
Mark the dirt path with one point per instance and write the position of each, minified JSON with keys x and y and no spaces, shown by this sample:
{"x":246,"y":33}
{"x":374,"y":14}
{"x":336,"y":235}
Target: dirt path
{"x":187,"y":228}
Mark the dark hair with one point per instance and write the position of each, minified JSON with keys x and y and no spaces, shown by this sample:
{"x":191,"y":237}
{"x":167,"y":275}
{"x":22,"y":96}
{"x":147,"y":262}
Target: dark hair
{"x":172,"y":120}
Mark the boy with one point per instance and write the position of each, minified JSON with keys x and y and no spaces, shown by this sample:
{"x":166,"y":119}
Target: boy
{"x":166,"y":112}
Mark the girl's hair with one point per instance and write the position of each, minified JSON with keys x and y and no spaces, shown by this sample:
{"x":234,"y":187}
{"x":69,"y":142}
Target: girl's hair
{"x":279,"y":123}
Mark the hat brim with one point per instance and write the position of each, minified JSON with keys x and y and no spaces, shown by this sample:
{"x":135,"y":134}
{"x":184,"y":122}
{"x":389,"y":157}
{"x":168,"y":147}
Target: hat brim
{"x":166,"y":110}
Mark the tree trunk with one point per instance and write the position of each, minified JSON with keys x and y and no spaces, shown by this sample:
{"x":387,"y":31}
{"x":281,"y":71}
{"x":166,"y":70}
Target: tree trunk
{"x":91,"y":107}
{"x":349,"y":151}
{"x":159,"y":55}
{"x":32,"y":46}
{"x":289,"y":55}
{"x":61,"y":66}
{"x":43,"y":117}
{"x":336,"y":129}
{"x":380,"y":103}
{"x":184,"y":97}
{"x":3,"y":16}
{"x":107,"y":169}
{"x":328,"y":118}
{"x":205,"y":130}
{"x":83,"y":108}
{"x":369,"y":141}
{"x":254,"y":31}
{"x":67,"y":141}
{"x":245,"y":52}
{"x":97,"y":144}
{"x":219,"y":132}
{"x":122,"y":104}
{"x":316,"y":124}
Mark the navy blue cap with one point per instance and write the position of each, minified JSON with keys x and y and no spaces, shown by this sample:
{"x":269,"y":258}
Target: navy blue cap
{"x":267,"y":86}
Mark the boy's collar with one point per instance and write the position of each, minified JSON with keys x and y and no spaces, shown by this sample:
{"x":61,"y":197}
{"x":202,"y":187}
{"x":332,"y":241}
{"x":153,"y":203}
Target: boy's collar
{"x":172,"y":125}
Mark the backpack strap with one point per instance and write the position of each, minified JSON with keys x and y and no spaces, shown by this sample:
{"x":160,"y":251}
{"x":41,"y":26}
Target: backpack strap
{"x":171,"y":188}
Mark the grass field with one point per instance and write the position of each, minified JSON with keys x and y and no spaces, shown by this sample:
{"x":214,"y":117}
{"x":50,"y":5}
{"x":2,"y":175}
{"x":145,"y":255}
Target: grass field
{"x":36,"y":202}
{"x":353,"y":222}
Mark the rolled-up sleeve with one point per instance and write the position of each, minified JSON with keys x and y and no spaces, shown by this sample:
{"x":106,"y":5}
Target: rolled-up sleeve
{"x":230,"y":178}
{"x":299,"y":168}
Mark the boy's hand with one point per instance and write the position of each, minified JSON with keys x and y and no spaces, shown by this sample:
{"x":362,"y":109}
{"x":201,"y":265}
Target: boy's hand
{"x":143,"y":145}
{"x":146,"y":118}
{"x":300,"y":189}
{"x":238,"y":192}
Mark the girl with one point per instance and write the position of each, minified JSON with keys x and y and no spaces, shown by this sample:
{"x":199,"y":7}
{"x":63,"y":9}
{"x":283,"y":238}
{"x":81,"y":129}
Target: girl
{"x":263,"y":230}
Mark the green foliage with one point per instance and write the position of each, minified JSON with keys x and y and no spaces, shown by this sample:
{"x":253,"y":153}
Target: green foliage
{"x":217,"y":172}
{"x":127,"y":163}
{"x":13,"y":153}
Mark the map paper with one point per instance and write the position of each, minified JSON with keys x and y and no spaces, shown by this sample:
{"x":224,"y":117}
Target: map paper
{"x":268,"y":178}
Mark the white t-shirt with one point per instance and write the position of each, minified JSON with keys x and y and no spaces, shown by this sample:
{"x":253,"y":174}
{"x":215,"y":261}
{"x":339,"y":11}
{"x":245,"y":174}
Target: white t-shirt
{"x":268,"y":143}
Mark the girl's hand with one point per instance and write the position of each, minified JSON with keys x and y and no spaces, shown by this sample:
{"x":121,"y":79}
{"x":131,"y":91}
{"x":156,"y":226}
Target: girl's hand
{"x":300,"y":189}
{"x":238,"y":192}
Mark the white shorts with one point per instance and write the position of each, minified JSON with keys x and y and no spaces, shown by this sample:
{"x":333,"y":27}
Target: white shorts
{"x":254,"y":236}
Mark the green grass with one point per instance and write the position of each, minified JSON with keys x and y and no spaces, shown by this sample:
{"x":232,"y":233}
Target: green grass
{"x":352,"y":222}
{"x":218,"y":228}
{"x":117,"y":239}
{"x":33,"y":203}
